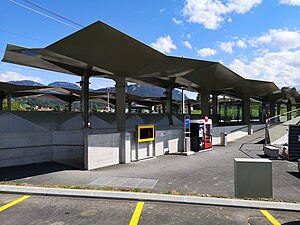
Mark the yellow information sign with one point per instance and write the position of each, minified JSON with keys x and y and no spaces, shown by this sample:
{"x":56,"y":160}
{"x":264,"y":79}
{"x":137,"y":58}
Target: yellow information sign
{"x":146,"y":133}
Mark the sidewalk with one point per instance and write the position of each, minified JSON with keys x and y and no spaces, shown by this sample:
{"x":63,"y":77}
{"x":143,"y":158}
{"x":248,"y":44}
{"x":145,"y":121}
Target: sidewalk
{"x":136,"y":196}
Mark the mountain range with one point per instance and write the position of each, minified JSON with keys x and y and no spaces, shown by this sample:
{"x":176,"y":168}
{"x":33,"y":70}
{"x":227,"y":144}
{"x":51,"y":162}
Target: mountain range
{"x":136,"y":89}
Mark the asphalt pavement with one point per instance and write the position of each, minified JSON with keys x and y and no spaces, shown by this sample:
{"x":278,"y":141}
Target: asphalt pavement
{"x":37,"y":210}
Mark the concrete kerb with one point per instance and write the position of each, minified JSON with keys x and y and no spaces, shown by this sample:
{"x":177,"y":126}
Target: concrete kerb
{"x":137,"y":196}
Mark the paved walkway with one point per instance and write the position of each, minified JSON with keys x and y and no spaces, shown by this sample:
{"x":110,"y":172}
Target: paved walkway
{"x":208,"y":172}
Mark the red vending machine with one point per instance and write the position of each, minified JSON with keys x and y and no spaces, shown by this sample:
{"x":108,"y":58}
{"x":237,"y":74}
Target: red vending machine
{"x":201,"y":134}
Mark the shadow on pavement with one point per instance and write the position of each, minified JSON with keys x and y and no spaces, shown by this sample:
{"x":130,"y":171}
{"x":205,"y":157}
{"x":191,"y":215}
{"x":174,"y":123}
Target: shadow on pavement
{"x":292,"y":223}
{"x":295,"y":174}
{"x":18,"y":172}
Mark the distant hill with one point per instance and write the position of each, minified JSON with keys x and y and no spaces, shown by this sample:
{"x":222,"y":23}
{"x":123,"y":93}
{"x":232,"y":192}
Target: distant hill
{"x":26,"y":83}
{"x":136,"y":89}
{"x":145,"y":91}
{"x":63,"y":84}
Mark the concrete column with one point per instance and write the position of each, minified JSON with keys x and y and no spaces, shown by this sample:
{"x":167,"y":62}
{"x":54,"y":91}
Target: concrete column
{"x":246,"y":110}
{"x":70,"y":106}
{"x":120,"y":103}
{"x":272,"y":109}
{"x":169,"y":97}
{"x":121,"y":115}
{"x":163,"y":107}
{"x":225,"y":111}
{"x":263,"y":111}
{"x":278,"y":108}
{"x":205,"y":104}
{"x":189,"y":108}
{"x":238,"y":111}
{"x":8,"y":97}
{"x":1,"y":102}
{"x":129,"y":106}
{"x":288,"y":109}
{"x":182,"y":102}
{"x":85,"y":99}
{"x":215,"y":108}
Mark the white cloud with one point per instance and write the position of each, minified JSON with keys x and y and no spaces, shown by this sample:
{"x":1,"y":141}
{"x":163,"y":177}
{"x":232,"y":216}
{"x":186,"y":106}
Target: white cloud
{"x":227,"y":46}
{"x":204,"y":52}
{"x":280,"y":38}
{"x":290,"y":2}
{"x":164,"y":44}
{"x":189,"y":36}
{"x":177,"y":22}
{"x":14,"y":76}
{"x":283,"y":68}
{"x":187,"y":44}
{"x":241,"y":44}
{"x":211,"y":13}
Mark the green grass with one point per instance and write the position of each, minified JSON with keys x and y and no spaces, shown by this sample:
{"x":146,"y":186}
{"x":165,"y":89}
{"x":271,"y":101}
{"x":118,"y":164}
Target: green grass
{"x":76,"y":187}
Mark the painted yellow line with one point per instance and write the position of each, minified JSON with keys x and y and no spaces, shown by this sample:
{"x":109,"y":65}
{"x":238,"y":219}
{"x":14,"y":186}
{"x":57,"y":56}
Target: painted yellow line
{"x":13,"y":203}
{"x":137,"y":213}
{"x":270,"y":217}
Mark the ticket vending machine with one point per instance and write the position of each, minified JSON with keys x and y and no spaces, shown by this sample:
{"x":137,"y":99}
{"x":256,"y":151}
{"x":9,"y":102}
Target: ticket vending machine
{"x":201,"y":134}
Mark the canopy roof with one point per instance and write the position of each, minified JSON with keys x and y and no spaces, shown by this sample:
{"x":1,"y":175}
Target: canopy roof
{"x":100,"y":50}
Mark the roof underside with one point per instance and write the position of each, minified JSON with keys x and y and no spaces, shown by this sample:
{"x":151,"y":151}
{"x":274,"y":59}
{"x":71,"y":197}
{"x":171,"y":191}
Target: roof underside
{"x":100,"y":50}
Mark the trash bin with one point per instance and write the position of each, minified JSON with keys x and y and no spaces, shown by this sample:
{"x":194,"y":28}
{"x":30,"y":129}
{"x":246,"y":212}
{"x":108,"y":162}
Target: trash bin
{"x":223,"y":139}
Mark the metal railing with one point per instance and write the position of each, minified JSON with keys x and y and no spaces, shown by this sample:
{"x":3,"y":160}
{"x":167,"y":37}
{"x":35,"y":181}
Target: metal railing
{"x":276,"y":127}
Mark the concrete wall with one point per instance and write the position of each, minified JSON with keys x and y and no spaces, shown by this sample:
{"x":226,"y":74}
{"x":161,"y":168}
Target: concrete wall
{"x":166,"y":141}
{"x":233,"y":132}
{"x":102,"y":150}
{"x":20,"y":148}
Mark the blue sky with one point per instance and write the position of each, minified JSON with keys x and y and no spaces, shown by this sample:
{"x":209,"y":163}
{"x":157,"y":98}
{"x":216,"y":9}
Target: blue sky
{"x":259,"y":39}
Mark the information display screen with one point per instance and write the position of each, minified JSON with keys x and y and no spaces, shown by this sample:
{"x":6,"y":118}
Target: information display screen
{"x":146,"y":133}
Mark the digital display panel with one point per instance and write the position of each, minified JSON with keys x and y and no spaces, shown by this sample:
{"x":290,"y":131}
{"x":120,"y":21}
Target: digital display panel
{"x":146,"y":133}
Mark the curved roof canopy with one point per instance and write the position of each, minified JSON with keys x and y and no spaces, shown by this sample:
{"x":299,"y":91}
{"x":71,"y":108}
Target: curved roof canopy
{"x":101,"y":50}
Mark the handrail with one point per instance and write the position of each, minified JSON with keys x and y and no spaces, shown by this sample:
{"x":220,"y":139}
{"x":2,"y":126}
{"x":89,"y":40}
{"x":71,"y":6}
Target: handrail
{"x":286,"y":113}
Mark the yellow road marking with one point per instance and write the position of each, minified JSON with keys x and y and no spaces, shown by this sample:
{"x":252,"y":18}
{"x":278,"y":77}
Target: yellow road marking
{"x":13,"y":203}
{"x":270,"y":217}
{"x":137,"y":213}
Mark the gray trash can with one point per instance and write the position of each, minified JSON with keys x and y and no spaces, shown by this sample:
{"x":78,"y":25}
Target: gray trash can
{"x":223,"y":139}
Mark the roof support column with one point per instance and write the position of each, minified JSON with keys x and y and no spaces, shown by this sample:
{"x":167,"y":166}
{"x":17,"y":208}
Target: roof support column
{"x":182,"y":102}
{"x":8,"y":97}
{"x":246,"y":110}
{"x":1,"y":101}
{"x":169,"y":102}
{"x":70,"y":105}
{"x":189,"y":108}
{"x":120,"y":103}
{"x":263,"y":112}
{"x":215,"y":108}
{"x":278,"y":108}
{"x":129,"y":106}
{"x":121,"y":115}
{"x":84,"y":83}
{"x":288,"y":109}
{"x":238,"y":112}
{"x":205,"y":104}
{"x":272,"y":109}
